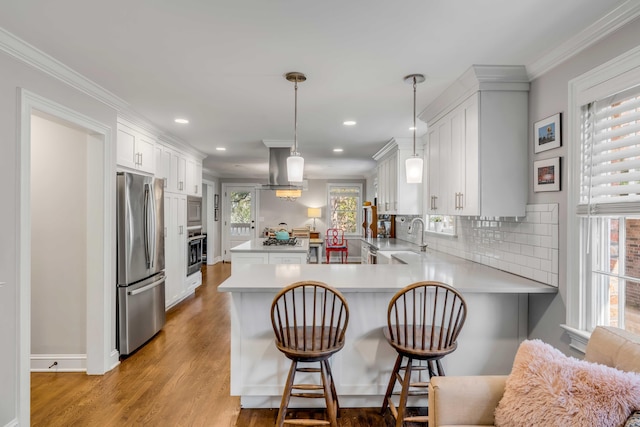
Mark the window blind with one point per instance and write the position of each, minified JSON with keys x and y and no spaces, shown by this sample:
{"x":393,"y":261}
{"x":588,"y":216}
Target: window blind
{"x":610,"y":155}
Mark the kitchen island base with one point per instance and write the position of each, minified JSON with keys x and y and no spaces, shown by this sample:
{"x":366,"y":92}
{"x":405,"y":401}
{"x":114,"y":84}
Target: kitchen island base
{"x":496,"y":325}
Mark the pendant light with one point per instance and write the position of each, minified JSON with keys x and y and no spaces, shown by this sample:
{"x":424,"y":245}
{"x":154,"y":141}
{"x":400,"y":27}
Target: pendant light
{"x":295,"y":162}
{"x":413,"y":164}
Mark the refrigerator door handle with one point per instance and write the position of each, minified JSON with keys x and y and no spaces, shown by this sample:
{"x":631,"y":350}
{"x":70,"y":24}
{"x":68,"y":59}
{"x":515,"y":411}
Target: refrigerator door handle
{"x":146,"y":288}
{"x":149,"y":226}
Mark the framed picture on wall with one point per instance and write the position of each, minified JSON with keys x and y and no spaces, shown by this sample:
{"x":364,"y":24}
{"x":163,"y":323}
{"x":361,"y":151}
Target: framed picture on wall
{"x":546,"y":134}
{"x":216,"y":201}
{"x":215,"y":214}
{"x":546,"y":175}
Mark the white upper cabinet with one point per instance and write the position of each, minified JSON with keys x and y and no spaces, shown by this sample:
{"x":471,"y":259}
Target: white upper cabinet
{"x":437,"y":166}
{"x":194,"y":177}
{"x":395,"y":195}
{"x":134,"y":149}
{"x":477,"y":144}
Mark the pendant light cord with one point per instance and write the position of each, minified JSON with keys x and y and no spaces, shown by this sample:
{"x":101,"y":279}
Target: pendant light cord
{"x":295,"y":119}
{"x":414,"y":116}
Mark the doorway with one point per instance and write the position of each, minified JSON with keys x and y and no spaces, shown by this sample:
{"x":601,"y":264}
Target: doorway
{"x":239,"y":216}
{"x":58,"y":245}
{"x":99,"y":354}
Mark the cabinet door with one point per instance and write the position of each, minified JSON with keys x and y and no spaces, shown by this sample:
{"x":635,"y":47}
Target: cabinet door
{"x":194,"y":177}
{"x":393,"y":183}
{"x":175,"y":206}
{"x":287,"y":258}
{"x":126,"y":148}
{"x":177,"y":171}
{"x":382,"y":188}
{"x":464,"y":155}
{"x":145,"y":148}
{"x":438,"y":169}
{"x":160,"y":171}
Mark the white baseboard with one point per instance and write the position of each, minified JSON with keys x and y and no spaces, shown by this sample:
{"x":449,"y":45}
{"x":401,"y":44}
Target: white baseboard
{"x":58,"y":363}
{"x":12,"y":423}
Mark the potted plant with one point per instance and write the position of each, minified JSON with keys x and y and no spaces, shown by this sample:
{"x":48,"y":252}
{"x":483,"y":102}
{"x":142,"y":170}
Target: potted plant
{"x":437,"y":223}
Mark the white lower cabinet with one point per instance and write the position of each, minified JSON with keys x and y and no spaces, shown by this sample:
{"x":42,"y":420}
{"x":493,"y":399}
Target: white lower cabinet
{"x":287,"y":258}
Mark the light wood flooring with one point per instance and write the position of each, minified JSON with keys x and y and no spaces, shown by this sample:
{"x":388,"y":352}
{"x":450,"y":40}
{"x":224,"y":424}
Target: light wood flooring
{"x":180,"y":378}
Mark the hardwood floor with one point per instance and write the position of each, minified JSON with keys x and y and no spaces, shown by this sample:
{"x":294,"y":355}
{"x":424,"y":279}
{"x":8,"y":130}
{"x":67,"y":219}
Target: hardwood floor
{"x":180,"y":378}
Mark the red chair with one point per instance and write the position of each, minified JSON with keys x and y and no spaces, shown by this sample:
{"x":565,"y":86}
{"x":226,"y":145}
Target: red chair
{"x":335,"y":242}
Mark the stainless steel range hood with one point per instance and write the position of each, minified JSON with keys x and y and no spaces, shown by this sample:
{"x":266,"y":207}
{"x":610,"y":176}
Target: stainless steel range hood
{"x":278,"y":179}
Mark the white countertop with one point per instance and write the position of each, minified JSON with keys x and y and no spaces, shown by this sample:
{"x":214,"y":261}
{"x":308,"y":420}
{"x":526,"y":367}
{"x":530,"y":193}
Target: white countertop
{"x":256,"y":245}
{"x":467,"y":276}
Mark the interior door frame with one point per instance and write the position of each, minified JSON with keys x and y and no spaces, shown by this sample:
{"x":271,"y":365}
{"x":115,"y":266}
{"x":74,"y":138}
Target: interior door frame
{"x":101,"y":355}
{"x":226,"y":214}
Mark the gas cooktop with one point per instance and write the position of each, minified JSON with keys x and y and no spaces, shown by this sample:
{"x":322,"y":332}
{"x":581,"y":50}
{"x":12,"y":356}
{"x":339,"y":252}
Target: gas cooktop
{"x":275,"y":242}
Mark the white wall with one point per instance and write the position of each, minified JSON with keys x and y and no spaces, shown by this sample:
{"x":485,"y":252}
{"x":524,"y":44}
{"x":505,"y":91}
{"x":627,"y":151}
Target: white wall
{"x":58,"y":238}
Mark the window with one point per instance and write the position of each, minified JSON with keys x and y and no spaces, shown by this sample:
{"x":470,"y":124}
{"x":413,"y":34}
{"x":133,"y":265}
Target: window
{"x":344,"y":207}
{"x":603,"y":280}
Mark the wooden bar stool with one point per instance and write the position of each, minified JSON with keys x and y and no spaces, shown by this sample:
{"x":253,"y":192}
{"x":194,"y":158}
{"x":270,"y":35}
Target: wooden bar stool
{"x":309,"y":321}
{"x":423,"y":323}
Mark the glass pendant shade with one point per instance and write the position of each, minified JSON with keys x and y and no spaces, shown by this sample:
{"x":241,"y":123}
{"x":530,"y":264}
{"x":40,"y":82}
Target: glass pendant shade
{"x":414,"y":170}
{"x":295,"y":168}
{"x":414,"y":164}
{"x":290,"y":195}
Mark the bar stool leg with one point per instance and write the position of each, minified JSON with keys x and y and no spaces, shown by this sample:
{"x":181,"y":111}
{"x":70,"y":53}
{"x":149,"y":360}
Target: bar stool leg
{"x":392,"y":383}
{"x":406,"y":382}
{"x":286,"y":394}
{"x":328,"y":397}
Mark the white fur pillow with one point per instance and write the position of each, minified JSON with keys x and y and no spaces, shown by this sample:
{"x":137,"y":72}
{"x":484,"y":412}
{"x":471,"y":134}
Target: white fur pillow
{"x":547,"y":388}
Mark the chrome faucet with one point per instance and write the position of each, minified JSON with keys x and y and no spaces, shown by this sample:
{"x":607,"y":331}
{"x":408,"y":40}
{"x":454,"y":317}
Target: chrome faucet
{"x":423,"y":247}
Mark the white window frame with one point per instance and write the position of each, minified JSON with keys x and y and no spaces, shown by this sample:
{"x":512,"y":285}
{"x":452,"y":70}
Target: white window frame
{"x":614,"y":76}
{"x":359,"y":218}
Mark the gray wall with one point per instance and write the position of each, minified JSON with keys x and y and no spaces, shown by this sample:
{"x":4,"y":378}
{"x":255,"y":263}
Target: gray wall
{"x":549,"y":95}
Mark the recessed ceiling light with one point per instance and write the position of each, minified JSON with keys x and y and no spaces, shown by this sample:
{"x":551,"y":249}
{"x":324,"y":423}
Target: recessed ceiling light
{"x":181,"y":121}
{"x":221,"y":149}
{"x":411,"y":128}
{"x":338,"y":150}
{"x":349,"y":123}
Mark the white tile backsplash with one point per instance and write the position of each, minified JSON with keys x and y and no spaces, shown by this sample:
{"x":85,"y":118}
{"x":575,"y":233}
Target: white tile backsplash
{"x":526,"y":246}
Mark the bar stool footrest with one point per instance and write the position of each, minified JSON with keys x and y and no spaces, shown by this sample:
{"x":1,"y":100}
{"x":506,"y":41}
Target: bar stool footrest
{"x":308,"y":395}
{"x":306,"y":422}
{"x":307,"y":387}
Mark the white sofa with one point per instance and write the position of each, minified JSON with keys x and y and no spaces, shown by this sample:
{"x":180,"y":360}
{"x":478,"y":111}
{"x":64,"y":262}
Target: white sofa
{"x":471,"y":400}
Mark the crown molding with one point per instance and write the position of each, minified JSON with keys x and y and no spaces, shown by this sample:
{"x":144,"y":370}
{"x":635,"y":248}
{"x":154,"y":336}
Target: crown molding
{"x":626,"y":12}
{"x":34,"y":57}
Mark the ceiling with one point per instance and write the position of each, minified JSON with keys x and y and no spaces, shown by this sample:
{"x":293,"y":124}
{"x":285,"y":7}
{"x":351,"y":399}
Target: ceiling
{"x":221,"y":65}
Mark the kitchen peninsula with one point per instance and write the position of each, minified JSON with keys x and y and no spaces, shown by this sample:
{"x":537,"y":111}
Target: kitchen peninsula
{"x":496,"y":322}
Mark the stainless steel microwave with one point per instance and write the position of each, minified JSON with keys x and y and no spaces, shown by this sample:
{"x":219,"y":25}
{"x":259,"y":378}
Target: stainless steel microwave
{"x":194,"y":211}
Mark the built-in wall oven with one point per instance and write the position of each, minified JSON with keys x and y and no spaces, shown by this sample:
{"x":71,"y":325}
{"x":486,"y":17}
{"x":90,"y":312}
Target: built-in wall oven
{"x":195,"y":243}
{"x":195,"y":239}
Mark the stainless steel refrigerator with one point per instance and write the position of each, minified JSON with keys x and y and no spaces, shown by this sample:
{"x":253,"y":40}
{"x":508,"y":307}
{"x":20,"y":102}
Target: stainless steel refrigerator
{"x":140,"y":260}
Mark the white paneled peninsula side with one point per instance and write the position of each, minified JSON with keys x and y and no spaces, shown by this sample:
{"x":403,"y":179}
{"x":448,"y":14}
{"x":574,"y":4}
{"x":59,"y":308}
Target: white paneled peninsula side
{"x":496,"y":323}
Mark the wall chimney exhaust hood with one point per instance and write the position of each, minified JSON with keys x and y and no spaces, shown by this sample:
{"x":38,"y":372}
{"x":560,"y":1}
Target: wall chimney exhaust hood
{"x":278,"y":153}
